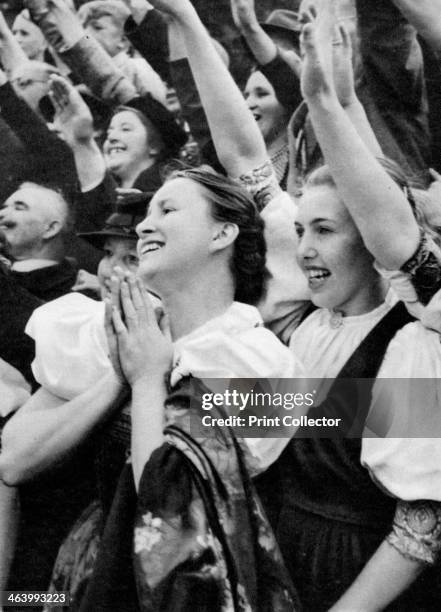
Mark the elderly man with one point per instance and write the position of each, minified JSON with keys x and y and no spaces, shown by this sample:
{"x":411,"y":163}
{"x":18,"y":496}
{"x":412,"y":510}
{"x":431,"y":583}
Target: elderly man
{"x":35,"y":221}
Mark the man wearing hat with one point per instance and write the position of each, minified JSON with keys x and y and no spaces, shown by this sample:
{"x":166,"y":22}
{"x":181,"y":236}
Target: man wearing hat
{"x":117,"y":239}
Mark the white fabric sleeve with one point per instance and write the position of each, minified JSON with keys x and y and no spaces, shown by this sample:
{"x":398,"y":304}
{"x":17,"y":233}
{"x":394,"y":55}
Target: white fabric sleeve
{"x":71,"y":351}
{"x":401,"y":446}
{"x":287,"y":295}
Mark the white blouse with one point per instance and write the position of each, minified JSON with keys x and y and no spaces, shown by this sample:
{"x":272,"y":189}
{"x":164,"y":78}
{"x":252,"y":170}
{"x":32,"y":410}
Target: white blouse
{"x":406,"y":413}
{"x":402,"y":442}
{"x":72,"y":353}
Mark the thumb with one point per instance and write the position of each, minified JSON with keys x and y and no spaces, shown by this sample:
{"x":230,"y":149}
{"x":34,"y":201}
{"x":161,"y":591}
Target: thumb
{"x":164,"y":326}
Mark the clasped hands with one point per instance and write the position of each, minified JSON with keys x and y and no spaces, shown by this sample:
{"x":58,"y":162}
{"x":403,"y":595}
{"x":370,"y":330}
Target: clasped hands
{"x":139,"y":340}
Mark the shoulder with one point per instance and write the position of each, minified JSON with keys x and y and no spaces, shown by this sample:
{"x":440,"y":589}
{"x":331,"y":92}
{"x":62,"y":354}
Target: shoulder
{"x":235,"y":345}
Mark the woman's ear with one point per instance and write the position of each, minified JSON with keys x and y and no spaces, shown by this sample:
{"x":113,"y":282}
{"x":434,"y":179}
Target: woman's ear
{"x":225,"y":234}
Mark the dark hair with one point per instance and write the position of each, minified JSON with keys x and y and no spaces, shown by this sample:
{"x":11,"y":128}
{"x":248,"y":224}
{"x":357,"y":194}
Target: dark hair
{"x":230,"y":203}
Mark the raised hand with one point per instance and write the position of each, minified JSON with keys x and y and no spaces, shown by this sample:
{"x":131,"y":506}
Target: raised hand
{"x":72,"y":115}
{"x":4,"y":28}
{"x":67,"y":22}
{"x":317,"y":40}
{"x":138,"y":8}
{"x":144,"y":346}
{"x":343,"y":70}
{"x":244,"y":13}
{"x":173,"y":8}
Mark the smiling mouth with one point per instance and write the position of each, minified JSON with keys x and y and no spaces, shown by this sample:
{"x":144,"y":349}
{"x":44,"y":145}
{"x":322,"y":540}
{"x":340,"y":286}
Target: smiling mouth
{"x":151,"y":247}
{"x":116,"y":150}
{"x":317,"y":276}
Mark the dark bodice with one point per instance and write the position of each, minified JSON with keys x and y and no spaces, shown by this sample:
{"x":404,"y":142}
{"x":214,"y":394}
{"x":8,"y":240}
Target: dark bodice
{"x":112,"y":452}
{"x":328,"y":515}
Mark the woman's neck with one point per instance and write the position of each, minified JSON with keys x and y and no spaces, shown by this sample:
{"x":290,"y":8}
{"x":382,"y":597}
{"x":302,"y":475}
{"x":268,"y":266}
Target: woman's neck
{"x":193,"y":305}
{"x":370,"y":298}
{"x":277,"y":143}
{"x":128,"y":178}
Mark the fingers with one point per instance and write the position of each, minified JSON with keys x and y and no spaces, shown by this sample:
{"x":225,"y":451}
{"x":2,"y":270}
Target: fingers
{"x":164,"y":325}
{"x":130,"y":313}
{"x":135,"y":293}
{"x":108,"y":324}
{"x":307,"y":39}
{"x":120,"y":328}
{"x":113,"y":322}
{"x":59,"y":91}
{"x":114,"y":292}
{"x":148,"y":306}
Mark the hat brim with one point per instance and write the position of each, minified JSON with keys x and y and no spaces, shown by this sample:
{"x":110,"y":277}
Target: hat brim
{"x":291,"y":35}
{"x":97,"y":239}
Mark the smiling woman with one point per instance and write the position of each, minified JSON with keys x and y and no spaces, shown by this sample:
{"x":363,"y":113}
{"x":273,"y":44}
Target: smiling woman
{"x":331,"y":252}
{"x":202,"y":226}
{"x":272,"y":119}
{"x":132,"y":145}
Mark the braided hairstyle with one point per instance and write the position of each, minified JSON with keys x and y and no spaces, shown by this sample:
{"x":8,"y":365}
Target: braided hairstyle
{"x":231,"y":204}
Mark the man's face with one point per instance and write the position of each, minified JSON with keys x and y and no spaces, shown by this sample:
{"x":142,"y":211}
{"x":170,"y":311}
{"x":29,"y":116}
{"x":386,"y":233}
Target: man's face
{"x":26,"y":219}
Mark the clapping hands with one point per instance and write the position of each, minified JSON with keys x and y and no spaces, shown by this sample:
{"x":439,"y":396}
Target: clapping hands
{"x":140,"y":346}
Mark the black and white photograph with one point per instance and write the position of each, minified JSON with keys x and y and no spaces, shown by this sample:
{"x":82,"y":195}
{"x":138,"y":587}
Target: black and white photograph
{"x":220,"y":305}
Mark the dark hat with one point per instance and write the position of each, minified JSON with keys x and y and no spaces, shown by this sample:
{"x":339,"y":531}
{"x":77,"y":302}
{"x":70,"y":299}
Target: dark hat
{"x":282,"y":21}
{"x":173,"y":136}
{"x":123,"y":222}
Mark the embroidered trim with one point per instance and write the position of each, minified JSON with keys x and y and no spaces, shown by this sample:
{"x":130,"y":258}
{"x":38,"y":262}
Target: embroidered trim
{"x":261,"y":183}
{"x":424,"y":270}
{"x":280,"y":162}
{"x":416,"y":530}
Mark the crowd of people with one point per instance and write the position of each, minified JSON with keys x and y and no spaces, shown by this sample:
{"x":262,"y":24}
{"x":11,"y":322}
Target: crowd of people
{"x":162,"y":227}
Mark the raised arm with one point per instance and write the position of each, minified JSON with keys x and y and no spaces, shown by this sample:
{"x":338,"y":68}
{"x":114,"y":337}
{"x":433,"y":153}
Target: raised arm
{"x":425,"y":16}
{"x":83,"y":54}
{"x":261,"y":45}
{"x":12,"y":55}
{"x":75,"y":121}
{"x":147,"y":31}
{"x":378,"y":206}
{"x":47,"y":428}
{"x":52,"y":158}
{"x":237,"y":139}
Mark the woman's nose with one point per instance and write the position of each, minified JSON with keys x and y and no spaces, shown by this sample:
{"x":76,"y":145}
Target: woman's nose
{"x":251,"y":102}
{"x":306,"y":248}
{"x":145,"y":227}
